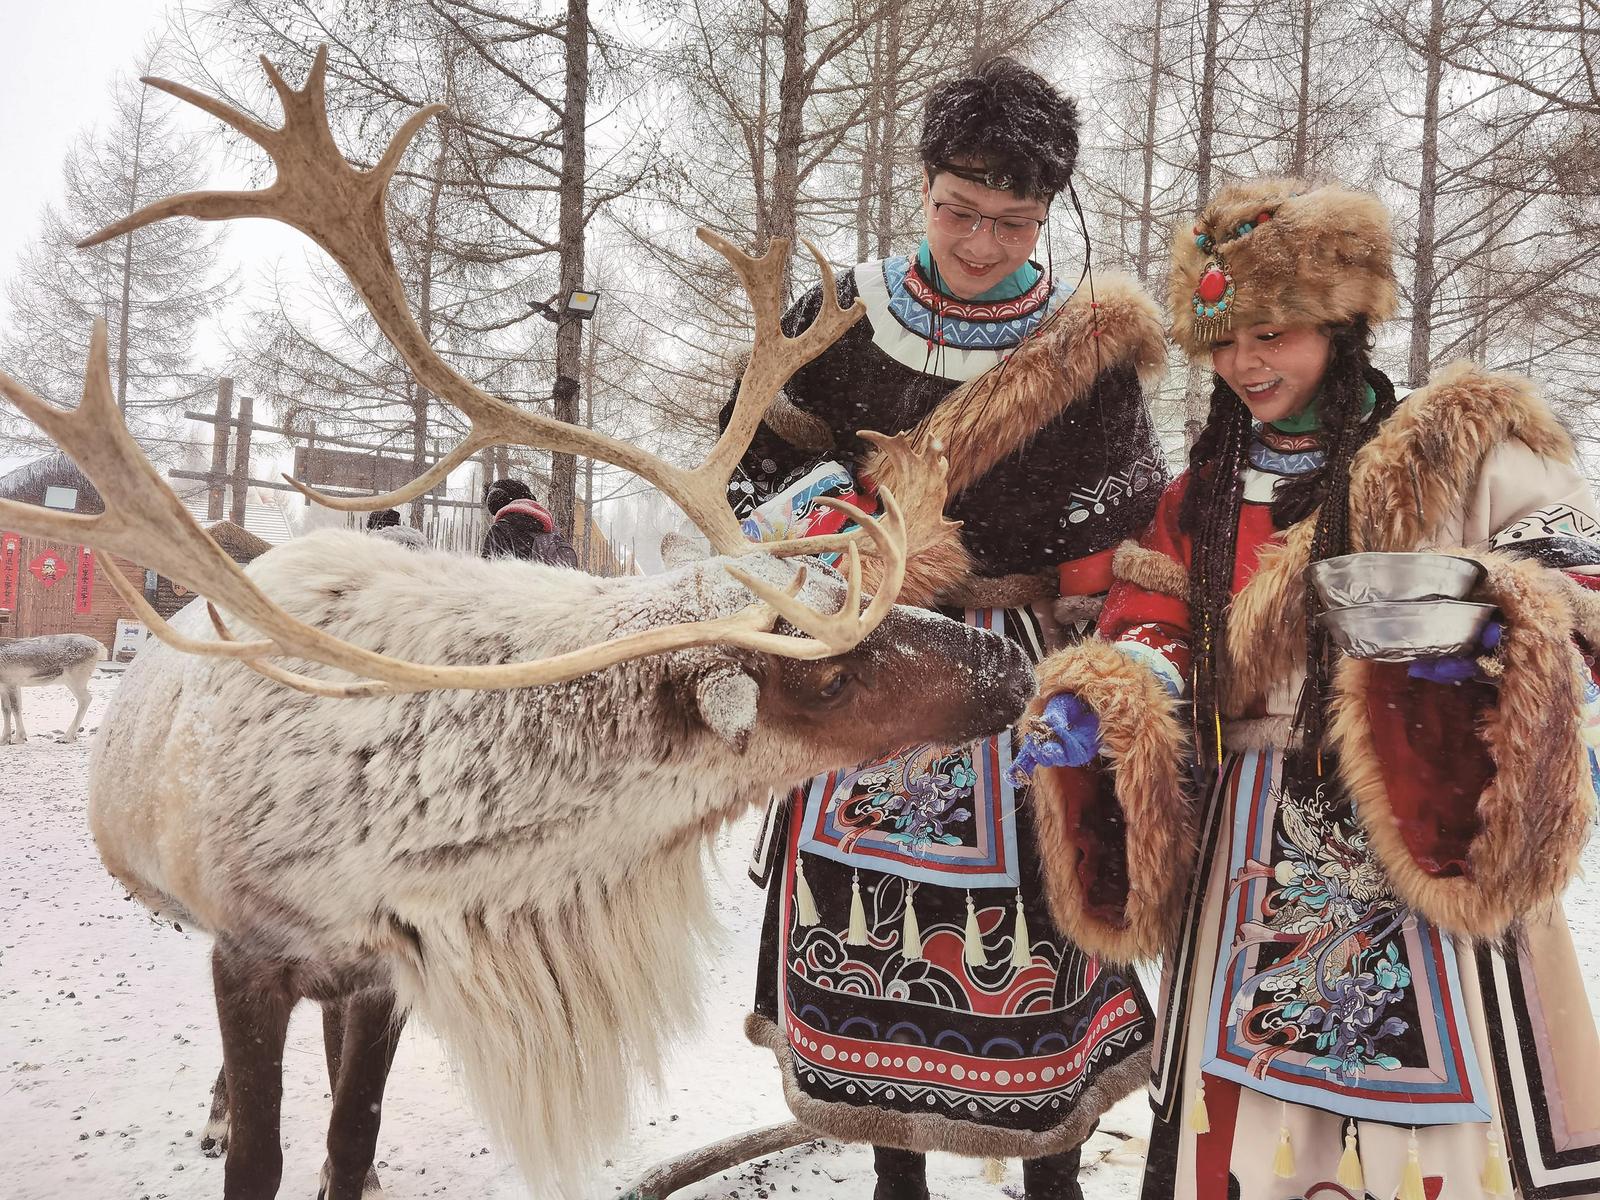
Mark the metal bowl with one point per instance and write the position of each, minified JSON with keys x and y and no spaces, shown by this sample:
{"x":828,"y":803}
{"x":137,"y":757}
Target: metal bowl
{"x":1406,"y":630}
{"x":1376,"y":578}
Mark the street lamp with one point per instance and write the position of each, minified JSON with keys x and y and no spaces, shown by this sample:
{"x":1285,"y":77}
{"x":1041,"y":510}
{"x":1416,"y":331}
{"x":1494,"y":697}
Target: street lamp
{"x":580,"y":305}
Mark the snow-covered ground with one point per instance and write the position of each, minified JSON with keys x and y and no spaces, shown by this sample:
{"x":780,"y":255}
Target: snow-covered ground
{"x":108,"y":1043}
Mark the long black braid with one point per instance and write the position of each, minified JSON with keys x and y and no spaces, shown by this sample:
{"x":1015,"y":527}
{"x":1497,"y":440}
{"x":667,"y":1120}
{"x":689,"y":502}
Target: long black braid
{"x":1210,"y":516}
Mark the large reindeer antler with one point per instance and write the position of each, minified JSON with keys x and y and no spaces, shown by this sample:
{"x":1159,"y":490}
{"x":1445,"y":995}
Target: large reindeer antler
{"x":343,"y":209}
{"x":147,"y":523}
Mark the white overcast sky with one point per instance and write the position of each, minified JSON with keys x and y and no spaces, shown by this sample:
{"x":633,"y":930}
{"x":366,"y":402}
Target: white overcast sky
{"x":61,"y":56}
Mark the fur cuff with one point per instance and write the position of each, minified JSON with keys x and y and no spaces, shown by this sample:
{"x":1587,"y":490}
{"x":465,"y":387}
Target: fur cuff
{"x":1151,"y":570}
{"x":1146,"y":747}
{"x":1533,"y":812}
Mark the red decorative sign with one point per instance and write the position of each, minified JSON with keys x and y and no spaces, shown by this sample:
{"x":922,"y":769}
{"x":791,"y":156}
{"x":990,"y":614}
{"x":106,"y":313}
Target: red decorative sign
{"x":10,"y":569}
{"x":83,"y":594}
{"x":48,"y":567}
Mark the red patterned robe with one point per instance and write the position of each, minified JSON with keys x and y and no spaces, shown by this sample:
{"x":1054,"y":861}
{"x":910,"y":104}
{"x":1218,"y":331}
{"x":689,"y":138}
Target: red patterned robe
{"x":1366,"y":973}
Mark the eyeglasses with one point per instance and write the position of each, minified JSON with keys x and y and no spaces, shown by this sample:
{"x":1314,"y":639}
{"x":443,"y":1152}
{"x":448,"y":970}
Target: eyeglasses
{"x":960,"y":221}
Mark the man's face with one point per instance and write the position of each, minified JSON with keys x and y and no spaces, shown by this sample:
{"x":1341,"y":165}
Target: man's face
{"x":970,"y":263}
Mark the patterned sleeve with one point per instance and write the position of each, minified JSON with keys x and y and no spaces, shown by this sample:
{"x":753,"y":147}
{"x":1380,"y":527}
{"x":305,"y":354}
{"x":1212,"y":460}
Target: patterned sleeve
{"x":1116,"y":836}
{"x":1529,"y":505}
{"x":1146,"y":615}
{"x":1477,"y":798}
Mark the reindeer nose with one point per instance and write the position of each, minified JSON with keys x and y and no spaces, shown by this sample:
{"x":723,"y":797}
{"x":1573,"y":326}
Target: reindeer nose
{"x":1005,"y":676}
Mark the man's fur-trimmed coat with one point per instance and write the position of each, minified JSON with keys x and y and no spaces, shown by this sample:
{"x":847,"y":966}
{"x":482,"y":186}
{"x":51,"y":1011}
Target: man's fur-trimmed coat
{"x":1065,"y":407}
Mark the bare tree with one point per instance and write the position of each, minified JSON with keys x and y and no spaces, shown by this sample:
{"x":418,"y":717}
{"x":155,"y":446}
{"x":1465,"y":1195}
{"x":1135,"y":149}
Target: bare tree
{"x":152,"y":287}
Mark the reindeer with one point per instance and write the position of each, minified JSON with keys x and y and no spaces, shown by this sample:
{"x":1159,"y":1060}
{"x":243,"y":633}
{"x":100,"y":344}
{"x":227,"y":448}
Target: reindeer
{"x":498,"y":822}
{"x":68,"y":658}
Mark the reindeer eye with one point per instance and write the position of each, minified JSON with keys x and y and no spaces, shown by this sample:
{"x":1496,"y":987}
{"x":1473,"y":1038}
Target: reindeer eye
{"x":834,"y":685}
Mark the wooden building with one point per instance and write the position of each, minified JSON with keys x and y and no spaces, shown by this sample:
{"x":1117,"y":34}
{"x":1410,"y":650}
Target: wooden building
{"x":56,"y":587}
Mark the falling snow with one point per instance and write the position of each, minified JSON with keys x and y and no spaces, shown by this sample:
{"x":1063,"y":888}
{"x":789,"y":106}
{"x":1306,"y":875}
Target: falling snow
{"x":108,"y":1042}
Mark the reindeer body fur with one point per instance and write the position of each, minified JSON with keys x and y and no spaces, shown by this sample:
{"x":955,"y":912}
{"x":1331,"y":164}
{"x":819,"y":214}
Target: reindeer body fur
{"x":522,"y":866}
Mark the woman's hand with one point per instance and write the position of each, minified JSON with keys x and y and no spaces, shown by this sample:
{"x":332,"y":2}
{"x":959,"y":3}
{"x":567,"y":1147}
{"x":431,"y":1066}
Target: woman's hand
{"x":1458,"y":668}
{"x":1066,"y":734}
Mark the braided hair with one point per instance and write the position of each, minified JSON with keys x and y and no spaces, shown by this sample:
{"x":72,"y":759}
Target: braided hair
{"x":1210,"y":516}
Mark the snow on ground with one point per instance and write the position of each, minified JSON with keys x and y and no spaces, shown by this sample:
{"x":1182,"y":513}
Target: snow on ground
{"x":108,"y":1042}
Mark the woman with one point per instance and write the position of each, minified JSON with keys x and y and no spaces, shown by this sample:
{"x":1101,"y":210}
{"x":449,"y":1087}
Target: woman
{"x":1369,"y":988}
{"x":912,"y":986}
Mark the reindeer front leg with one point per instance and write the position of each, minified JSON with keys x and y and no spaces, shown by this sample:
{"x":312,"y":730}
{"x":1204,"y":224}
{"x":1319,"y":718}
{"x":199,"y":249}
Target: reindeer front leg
{"x":214,"y":1137}
{"x":360,"y":1034}
{"x":80,"y":692}
{"x":253,"y":1010}
{"x":13,"y":708}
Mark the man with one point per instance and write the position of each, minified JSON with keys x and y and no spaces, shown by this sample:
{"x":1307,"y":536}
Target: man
{"x":912,"y":986}
{"x":522,"y":527}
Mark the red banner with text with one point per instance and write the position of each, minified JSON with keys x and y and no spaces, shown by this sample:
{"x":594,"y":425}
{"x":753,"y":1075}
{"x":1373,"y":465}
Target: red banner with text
{"x":10,"y":569}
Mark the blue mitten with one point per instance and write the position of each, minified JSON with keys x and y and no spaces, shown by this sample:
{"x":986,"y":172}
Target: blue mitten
{"x":1457,"y":668}
{"x":1070,"y":738}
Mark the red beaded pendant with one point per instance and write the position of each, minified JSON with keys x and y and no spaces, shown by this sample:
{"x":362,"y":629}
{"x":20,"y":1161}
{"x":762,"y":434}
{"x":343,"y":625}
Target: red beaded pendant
{"x":1213,"y":286}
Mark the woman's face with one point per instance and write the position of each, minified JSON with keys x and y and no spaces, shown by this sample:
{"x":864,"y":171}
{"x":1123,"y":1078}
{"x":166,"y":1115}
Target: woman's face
{"x":1275,"y":369}
{"x":971,"y":263}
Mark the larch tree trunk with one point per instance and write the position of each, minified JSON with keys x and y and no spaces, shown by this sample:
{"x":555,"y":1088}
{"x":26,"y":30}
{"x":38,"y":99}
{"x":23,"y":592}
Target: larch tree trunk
{"x":570,"y":221}
{"x":888,"y":131}
{"x":1300,"y":156}
{"x":1206,"y":133}
{"x":871,"y":149}
{"x":420,"y":396}
{"x":1423,"y":279}
{"x":1152,"y":100}
{"x":124,"y":317}
{"x":792,"y":88}
{"x":1195,"y":401}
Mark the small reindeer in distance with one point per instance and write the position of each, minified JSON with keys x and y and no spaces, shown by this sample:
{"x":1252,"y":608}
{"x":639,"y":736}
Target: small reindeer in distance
{"x":65,"y":658}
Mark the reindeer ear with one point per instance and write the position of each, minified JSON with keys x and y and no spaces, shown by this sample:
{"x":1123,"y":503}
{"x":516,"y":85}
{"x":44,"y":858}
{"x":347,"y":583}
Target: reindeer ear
{"x":729,"y":702}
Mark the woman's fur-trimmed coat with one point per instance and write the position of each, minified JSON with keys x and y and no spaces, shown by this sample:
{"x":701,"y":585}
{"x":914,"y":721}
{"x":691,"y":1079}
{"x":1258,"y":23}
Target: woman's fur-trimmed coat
{"x":1462,"y":461}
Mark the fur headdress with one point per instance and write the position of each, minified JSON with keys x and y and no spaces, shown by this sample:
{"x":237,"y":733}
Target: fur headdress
{"x":1280,"y":251}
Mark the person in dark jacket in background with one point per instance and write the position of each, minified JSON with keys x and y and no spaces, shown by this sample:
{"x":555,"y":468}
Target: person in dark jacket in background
{"x":521,"y":527}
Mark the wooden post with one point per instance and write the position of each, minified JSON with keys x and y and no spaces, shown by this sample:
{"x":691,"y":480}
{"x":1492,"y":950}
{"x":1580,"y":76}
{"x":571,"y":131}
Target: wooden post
{"x":219,"y":448}
{"x":311,"y":448}
{"x":241,"y":460}
{"x":675,"y":1174}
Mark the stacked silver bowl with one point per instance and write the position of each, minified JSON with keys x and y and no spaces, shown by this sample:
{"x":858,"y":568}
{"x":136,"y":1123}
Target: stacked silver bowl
{"x":1401,"y":607}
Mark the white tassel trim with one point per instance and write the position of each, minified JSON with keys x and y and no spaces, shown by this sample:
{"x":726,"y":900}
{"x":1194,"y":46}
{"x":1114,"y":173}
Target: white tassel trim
{"x":910,"y":930}
{"x":858,"y":916}
{"x":805,"y":907}
{"x":1021,"y":943}
{"x":974,"y":938}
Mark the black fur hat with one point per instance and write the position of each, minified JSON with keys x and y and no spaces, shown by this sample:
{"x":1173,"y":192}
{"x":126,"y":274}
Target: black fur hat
{"x":503,"y":491}
{"x":1022,"y":131}
{"x":384,"y":518}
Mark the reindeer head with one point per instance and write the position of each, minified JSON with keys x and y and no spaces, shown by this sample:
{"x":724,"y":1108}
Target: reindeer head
{"x":916,"y":677}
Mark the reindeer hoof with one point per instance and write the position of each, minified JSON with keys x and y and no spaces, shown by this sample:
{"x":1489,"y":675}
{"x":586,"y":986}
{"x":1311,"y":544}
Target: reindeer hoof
{"x":214,"y":1139}
{"x":371,"y":1189}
